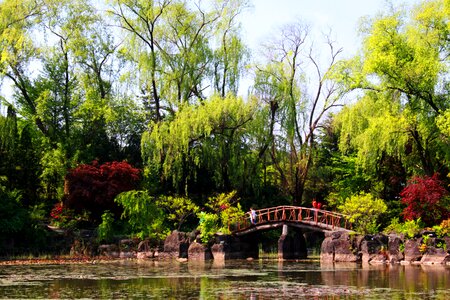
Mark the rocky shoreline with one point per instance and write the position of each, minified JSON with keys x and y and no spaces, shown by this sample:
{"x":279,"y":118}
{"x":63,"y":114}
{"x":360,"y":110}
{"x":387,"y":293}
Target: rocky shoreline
{"x":425,"y":248}
{"x":339,"y":246}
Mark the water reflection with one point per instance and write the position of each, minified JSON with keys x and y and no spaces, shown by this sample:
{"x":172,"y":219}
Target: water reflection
{"x":259,"y":279}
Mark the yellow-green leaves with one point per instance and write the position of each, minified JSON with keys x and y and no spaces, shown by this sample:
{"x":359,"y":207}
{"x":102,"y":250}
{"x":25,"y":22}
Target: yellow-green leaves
{"x":194,"y":134}
{"x":373,"y":126}
{"x":406,"y":54}
{"x":364,"y":210}
{"x":404,"y":80}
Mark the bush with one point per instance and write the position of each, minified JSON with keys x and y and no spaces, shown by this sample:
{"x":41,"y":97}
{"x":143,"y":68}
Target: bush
{"x":224,"y":209}
{"x":93,"y":187}
{"x":105,"y":229}
{"x":144,"y":218}
{"x":425,"y":198}
{"x":443,"y":229}
{"x":13,"y":216}
{"x":178,"y":209}
{"x":208,"y":226}
{"x":364,"y":210}
{"x":409,"y":228}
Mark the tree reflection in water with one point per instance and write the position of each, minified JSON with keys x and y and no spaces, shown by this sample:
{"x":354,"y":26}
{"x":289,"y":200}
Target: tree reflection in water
{"x":258,"y":279}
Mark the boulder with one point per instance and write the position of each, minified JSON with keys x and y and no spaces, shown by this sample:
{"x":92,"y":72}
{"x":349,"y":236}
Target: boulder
{"x":127,"y":254}
{"x":412,"y":250}
{"x":128,"y":245}
{"x":435,"y":255}
{"x":379,"y":259}
{"x":230,"y":247}
{"x":145,"y":255}
{"x":395,"y":255}
{"x":369,"y":248}
{"x":338,"y":247}
{"x":220,"y":252}
{"x":199,"y":251}
{"x":111,"y":250}
{"x":176,"y":245}
{"x":447,"y":242}
{"x":82,"y":247}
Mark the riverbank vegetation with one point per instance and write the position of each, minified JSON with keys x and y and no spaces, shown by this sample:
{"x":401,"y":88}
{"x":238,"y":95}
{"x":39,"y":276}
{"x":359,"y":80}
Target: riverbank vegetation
{"x":124,"y":117}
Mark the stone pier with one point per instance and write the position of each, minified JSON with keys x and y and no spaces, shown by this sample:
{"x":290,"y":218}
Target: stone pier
{"x":291,"y":246}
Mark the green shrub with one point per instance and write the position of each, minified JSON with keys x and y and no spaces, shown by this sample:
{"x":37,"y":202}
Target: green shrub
{"x":178,"y":209}
{"x":224,"y":209}
{"x":13,"y":216}
{"x":363,"y":211}
{"x":443,"y":229}
{"x":144,"y":218}
{"x":208,"y":226}
{"x":409,"y":228}
{"x":105,"y":230}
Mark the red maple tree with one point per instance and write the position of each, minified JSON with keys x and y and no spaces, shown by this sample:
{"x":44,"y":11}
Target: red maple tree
{"x":425,"y":199}
{"x":92,"y":188}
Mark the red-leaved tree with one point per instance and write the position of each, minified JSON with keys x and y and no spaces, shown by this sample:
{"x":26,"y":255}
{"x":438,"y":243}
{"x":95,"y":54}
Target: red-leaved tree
{"x":426,"y":198}
{"x":92,"y":188}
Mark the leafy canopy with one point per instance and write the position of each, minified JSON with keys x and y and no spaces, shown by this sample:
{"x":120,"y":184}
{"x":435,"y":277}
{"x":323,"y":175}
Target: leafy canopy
{"x":425,"y":198}
{"x":94,"y":187}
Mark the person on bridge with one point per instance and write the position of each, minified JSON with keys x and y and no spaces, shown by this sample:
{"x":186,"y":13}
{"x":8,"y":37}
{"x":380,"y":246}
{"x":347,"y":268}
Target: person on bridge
{"x":252,"y":216}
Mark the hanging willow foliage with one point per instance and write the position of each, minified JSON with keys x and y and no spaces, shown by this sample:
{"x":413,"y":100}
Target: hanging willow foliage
{"x":204,"y":134}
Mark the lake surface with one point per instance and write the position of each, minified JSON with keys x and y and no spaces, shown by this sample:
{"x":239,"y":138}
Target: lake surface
{"x":239,"y":279}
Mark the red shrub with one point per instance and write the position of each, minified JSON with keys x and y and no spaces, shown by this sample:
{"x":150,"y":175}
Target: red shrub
{"x":425,"y":198}
{"x":93,"y":187}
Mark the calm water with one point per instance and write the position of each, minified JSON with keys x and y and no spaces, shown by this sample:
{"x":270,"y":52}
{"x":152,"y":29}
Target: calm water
{"x":260,"y":279}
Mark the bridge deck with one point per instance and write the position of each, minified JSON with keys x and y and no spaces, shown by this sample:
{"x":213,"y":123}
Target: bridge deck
{"x":297,"y":216}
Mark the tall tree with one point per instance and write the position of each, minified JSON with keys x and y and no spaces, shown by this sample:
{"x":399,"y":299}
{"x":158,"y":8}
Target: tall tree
{"x":231,"y":52}
{"x":18,"y":51}
{"x":402,"y":70}
{"x":169,"y":43}
{"x":295,"y":113}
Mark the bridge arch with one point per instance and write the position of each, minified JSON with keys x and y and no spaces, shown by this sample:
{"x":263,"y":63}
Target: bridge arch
{"x":299,"y":219}
{"x":293,"y":216}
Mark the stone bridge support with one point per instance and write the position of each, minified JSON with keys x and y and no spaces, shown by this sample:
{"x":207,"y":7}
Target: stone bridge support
{"x":230,"y":247}
{"x":291,"y":246}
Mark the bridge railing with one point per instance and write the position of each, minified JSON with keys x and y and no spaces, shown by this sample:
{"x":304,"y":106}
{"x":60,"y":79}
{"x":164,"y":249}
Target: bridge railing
{"x":294,"y":214}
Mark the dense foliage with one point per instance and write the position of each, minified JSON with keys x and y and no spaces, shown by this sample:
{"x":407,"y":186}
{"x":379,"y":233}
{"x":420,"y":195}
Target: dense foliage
{"x":93,"y":188}
{"x":364,"y":210}
{"x":150,"y":91}
{"x":426,"y":198}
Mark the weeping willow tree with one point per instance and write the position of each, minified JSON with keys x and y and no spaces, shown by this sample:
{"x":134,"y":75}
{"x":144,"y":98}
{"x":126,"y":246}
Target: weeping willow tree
{"x":210,"y":137}
{"x":402,"y":72}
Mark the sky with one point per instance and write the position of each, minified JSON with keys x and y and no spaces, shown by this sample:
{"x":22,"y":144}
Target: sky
{"x":342,"y":16}
{"x":264,"y":19}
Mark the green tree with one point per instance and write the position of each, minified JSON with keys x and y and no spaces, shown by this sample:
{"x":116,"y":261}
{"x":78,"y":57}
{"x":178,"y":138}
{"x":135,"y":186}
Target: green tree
{"x":168,"y":42}
{"x":223,"y":210}
{"x":209,"y":136}
{"x":402,"y":73}
{"x":231,"y":54}
{"x":178,"y":209}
